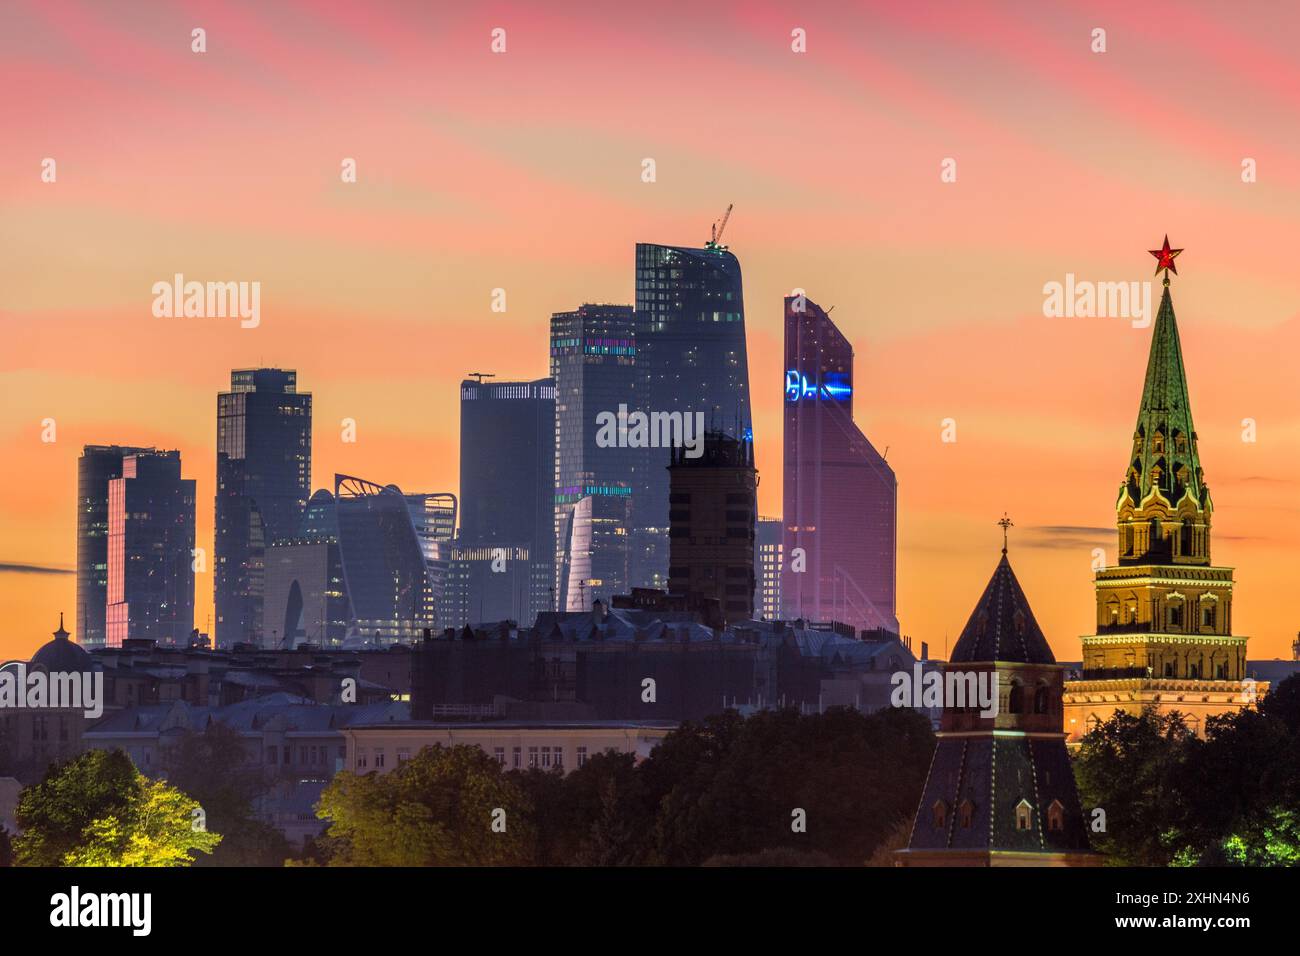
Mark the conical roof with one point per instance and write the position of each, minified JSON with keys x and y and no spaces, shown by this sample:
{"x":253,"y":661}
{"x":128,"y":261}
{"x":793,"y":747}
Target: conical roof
{"x":1170,"y":461}
{"x":1002,"y":626}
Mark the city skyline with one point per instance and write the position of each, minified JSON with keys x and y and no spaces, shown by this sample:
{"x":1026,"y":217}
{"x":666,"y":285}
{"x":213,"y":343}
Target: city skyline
{"x":412,"y":256}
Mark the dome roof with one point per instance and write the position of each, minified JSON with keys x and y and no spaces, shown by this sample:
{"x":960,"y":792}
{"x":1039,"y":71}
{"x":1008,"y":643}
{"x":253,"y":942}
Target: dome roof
{"x":62,"y":655}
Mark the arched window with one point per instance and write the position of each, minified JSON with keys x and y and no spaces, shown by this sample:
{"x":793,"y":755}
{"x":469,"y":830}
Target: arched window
{"x":966,"y":814}
{"x":1056,"y":816}
{"x":1193,"y":725}
{"x":1016,"y":700}
{"x":1091,"y":723}
{"x":940,"y":810}
{"x":1041,"y":700}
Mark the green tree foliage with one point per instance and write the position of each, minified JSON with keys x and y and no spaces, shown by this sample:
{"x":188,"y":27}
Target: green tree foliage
{"x":56,"y":813}
{"x":98,"y":810}
{"x":1126,"y":767}
{"x":214,"y":768}
{"x":437,"y":809}
{"x":721,"y":791}
{"x":1229,"y":799}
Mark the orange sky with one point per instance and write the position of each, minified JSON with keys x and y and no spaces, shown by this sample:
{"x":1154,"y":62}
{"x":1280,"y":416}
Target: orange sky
{"x":522,"y":171}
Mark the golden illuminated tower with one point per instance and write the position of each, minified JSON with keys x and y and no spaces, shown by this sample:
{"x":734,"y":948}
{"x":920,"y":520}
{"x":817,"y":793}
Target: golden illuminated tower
{"x":1164,"y":612}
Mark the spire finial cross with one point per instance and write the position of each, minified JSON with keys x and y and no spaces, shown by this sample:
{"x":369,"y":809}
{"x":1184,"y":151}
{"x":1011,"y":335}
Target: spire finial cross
{"x":1005,"y":523}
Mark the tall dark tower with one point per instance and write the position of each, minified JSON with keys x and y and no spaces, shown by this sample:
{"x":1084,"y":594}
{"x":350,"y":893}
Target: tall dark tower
{"x":712,"y":513}
{"x":97,"y":466}
{"x":841,"y":497}
{"x":593,"y":356}
{"x":506,"y":549}
{"x":150,"y":591}
{"x":691,"y":357}
{"x":1001,"y":790}
{"x":263,"y":483}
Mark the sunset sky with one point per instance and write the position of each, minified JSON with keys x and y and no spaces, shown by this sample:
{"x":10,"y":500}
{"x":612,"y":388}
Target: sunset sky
{"x":522,"y":171}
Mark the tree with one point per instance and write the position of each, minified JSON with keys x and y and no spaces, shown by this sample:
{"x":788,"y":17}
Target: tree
{"x":448,"y":806}
{"x":1126,"y":766}
{"x":214,"y":768}
{"x":98,"y":810}
{"x":159,"y":830}
{"x":56,"y":813}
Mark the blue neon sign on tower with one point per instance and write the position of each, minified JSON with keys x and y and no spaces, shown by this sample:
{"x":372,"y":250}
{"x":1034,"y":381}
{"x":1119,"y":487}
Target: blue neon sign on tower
{"x":833,"y":387}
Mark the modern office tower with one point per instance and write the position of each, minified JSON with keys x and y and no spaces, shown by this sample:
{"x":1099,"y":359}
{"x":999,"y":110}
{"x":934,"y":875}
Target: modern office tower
{"x":434,"y":518}
{"x":506,"y":547}
{"x":150,"y":590}
{"x":96,"y":467}
{"x":1164,"y":637}
{"x":713,"y":503}
{"x":385,"y":542}
{"x":691,"y":357}
{"x":841,"y":498}
{"x":263,"y":482}
{"x":593,"y":356}
{"x":768,"y":548}
{"x":306,"y":599}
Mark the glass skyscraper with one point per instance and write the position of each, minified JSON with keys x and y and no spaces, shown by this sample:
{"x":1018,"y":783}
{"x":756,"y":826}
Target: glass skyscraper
{"x":593,"y":362}
{"x":505,"y":554}
{"x":263,"y":482}
{"x":841,"y":498}
{"x":394,"y":550}
{"x":150,"y":584}
{"x":691,"y":357}
{"x":96,"y":467}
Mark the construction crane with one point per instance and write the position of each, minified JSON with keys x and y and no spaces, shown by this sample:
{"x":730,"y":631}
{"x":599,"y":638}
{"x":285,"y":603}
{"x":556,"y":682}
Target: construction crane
{"x":716,"y":241}
{"x":481,"y":375}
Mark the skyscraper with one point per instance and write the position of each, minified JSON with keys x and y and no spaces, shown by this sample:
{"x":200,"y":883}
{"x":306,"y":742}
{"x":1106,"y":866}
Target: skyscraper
{"x":96,"y":467}
{"x":150,"y":587}
{"x":691,"y":357}
{"x":506,"y":546}
{"x":841,"y":498}
{"x":306,"y":598}
{"x":593,"y":356}
{"x":1164,"y":635}
{"x":713,"y":502}
{"x":391,"y":545}
{"x":768,"y":551}
{"x":263,"y":482}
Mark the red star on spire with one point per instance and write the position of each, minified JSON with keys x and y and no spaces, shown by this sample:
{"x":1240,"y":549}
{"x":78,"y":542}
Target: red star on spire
{"x":1165,"y":259}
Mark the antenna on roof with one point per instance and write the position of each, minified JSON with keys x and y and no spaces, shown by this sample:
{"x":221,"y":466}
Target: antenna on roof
{"x":480,"y":376}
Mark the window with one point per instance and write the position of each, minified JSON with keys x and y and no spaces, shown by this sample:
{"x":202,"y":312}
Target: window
{"x":1016,"y":701}
{"x":546,"y":756}
{"x":966,"y":814}
{"x":362,"y":758}
{"x":519,"y":759}
{"x":940,"y":813}
{"x":379,"y":758}
{"x":1024,"y":815}
{"x":499,"y":755}
{"x":582,"y":756}
{"x":559,"y":757}
{"x":403,"y":755}
{"x":1040,"y":699}
{"x":1056,"y":816}
{"x":532,"y":757}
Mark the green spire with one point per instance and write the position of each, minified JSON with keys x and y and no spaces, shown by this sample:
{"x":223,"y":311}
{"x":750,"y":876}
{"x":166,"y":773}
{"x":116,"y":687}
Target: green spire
{"x":1164,"y":453}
